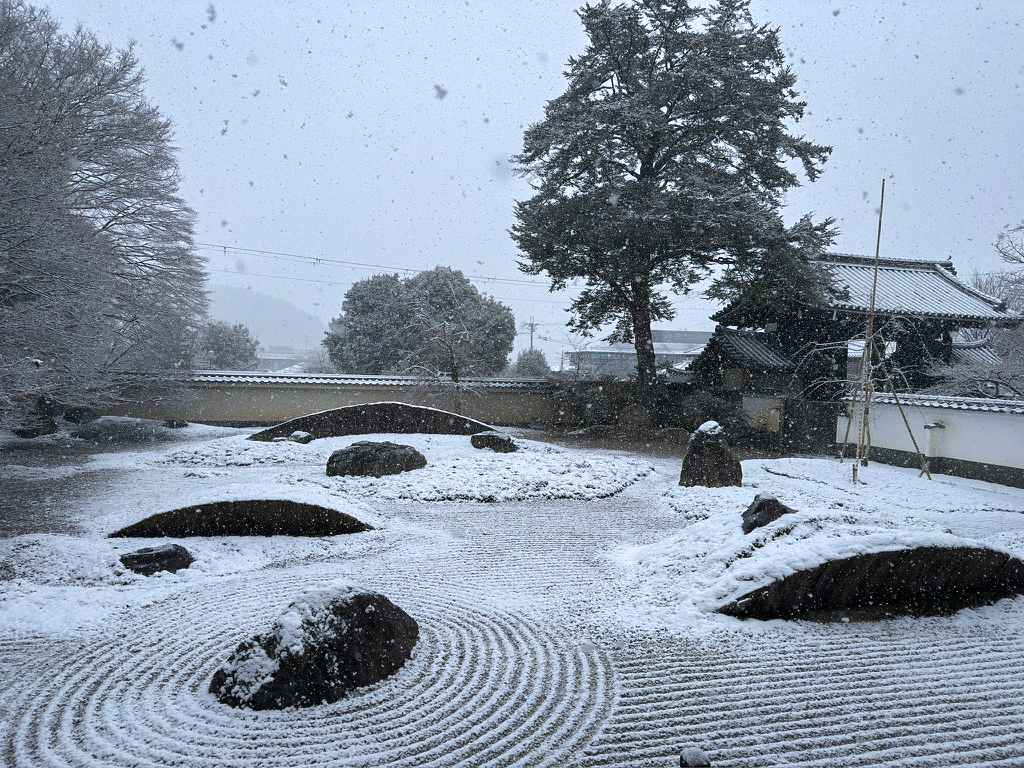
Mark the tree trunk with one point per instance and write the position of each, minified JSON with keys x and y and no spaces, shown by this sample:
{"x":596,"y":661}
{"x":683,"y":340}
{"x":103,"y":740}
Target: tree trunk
{"x":644,"y":386}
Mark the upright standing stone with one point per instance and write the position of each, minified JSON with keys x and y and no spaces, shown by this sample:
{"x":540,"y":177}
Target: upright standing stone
{"x":709,"y":461}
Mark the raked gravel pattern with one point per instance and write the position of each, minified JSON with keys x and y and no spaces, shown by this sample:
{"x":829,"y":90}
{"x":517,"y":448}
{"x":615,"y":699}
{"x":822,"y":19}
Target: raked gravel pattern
{"x":533,"y":652}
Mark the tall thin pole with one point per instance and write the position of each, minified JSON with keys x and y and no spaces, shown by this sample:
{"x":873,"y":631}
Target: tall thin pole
{"x":864,"y":444}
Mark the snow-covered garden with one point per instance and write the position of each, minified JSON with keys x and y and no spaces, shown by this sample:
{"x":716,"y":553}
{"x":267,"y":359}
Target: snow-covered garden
{"x":566,"y":602}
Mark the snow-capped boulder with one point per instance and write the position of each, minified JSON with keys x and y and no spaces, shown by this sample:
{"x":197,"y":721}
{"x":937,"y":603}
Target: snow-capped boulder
{"x":694,"y":757}
{"x":763,"y":509}
{"x":150,"y":560}
{"x":496,"y":441}
{"x":375,"y":459}
{"x":326,"y":643}
{"x":709,"y":461}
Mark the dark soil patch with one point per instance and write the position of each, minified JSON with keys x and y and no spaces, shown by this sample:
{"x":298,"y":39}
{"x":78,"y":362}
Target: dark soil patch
{"x":376,"y":418}
{"x":255,"y":517}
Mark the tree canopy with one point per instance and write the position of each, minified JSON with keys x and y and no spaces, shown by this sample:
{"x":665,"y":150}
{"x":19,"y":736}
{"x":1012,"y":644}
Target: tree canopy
{"x":435,"y":323}
{"x":97,"y":270}
{"x":225,"y":346}
{"x":669,"y":153}
{"x":531,"y":363}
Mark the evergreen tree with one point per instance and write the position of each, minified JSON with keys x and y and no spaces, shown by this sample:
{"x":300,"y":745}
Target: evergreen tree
{"x":368,"y":337}
{"x":435,"y":323}
{"x":531,"y":364}
{"x":669,"y":150}
{"x":228,"y":347}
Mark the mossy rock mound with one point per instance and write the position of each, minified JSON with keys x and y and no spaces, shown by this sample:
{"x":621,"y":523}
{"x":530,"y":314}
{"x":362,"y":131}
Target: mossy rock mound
{"x":326,"y":644}
{"x":926,"y":580}
{"x":254,"y":517}
{"x":376,"y":418}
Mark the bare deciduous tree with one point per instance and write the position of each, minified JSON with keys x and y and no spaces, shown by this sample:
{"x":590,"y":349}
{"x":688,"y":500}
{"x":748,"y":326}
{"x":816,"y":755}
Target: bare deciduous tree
{"x":97,"y":267}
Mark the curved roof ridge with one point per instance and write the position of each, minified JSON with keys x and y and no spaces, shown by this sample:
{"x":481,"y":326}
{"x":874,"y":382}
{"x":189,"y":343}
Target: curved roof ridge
{"x":997,"y":303}
{"x":883,"y":261}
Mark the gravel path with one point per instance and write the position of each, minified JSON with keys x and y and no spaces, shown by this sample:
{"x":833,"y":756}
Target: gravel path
{"x":530,"y":654}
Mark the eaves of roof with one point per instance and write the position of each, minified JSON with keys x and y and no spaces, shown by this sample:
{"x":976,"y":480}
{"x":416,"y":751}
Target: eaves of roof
{"x":924,"y":289}
{"x":984,"y":404}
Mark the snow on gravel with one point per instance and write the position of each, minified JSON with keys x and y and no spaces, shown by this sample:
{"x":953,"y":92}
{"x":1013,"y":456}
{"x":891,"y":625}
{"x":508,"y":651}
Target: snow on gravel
{"x":566,"y":606}
{"x":454,"y":469}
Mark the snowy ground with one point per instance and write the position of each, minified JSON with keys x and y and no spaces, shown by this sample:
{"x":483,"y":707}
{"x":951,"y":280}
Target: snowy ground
{"x":566,"y":607}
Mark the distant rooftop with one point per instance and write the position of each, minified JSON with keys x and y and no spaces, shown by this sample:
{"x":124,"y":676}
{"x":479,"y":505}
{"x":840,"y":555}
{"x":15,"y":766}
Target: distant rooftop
{"x":753,"y":349}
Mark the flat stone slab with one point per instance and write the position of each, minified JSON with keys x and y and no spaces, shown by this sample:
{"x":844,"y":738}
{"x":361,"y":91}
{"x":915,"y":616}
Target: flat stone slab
{"x":495,"y":441}
{"x":254,"y":517}
{"x":150,"y":560}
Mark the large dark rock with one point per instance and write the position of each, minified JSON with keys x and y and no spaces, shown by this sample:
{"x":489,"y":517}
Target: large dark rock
{"x":252,"y":517}
{"x":81,"y":414}
{"x":372,"y":459}
{"x":376,"y":418}
{"x":763,"y":509}
{"x":925,"y":580}
{"x":709,"y":461}
{"x":48,"y":406}
{"x":36,"y":428}
{"x":694,"y":757}
{"x":496,"y":441}
{"x":150,"y":560}
{"x":324,"y":645}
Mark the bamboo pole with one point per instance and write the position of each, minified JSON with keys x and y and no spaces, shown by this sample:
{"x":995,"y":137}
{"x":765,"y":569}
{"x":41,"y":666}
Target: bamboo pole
{"x":864,"y":443}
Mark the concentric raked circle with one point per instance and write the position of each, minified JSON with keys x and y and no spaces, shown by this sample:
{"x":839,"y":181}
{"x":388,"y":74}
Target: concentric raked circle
{"x":484,"y":687}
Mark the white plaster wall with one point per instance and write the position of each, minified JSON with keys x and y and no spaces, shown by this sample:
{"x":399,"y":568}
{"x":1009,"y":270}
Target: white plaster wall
{"x":981,"y":436}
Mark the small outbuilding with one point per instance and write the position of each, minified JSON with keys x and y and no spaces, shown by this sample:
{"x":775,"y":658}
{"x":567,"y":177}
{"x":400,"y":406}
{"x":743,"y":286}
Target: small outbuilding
{"x":920,"y":307}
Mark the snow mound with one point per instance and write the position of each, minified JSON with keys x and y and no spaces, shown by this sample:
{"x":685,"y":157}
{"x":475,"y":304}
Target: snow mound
{"x":245,"y":517}
{"x":710,"y":563}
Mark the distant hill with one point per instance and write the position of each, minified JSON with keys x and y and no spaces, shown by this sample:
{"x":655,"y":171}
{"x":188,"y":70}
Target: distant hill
{"x":275,"y":322}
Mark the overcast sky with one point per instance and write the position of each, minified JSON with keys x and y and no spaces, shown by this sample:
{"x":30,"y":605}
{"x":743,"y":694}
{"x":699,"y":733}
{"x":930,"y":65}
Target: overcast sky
{"x":379,"y":133}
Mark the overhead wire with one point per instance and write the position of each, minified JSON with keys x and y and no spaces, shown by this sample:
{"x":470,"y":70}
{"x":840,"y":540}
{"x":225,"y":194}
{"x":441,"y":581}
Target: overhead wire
{"x":680,"y":302}
{"x":315,"y":260}
{"x":349,"y":285}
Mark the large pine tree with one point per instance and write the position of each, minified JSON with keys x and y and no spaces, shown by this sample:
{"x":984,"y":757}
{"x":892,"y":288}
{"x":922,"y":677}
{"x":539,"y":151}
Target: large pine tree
{"x":670,"y":152}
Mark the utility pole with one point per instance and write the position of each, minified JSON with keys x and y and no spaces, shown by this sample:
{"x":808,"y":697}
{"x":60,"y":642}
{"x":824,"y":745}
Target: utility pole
{"x":532,"y":326}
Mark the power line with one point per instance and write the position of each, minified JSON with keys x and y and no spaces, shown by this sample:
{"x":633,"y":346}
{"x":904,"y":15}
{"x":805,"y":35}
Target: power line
{"x":315,"y":260}
{"x":348,"y":285}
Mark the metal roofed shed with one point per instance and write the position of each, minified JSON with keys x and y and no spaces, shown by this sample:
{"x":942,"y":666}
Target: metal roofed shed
{"x":745,"y":361}
{"x":754,"y":350}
